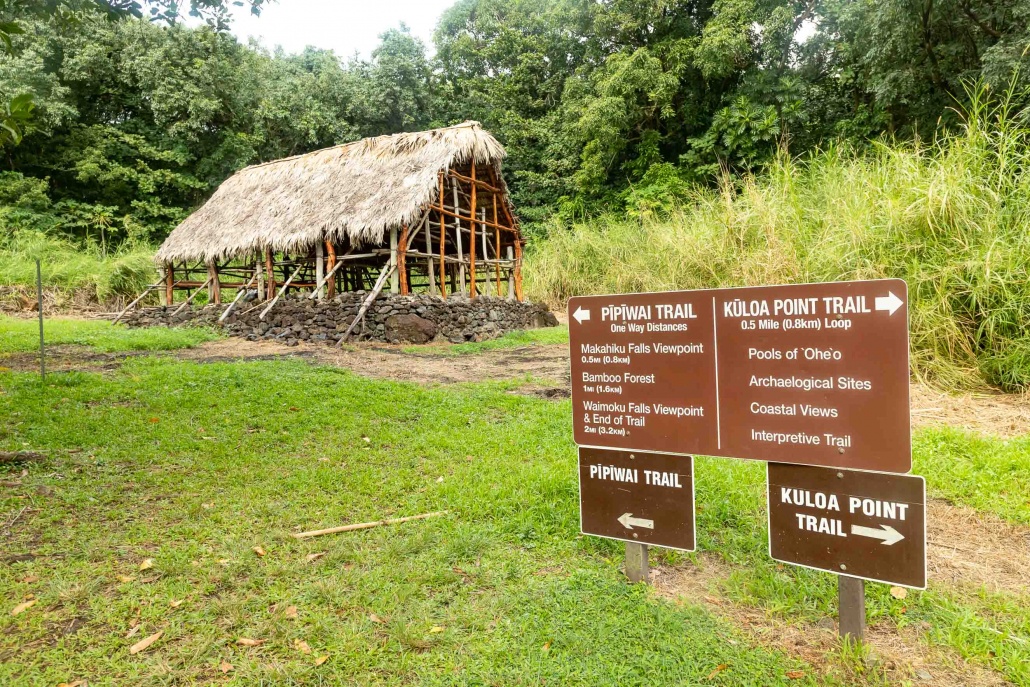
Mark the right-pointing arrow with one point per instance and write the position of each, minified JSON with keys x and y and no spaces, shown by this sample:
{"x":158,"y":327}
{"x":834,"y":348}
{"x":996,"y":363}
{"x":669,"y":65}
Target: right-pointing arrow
{"x":628,"y":521}
{"x":581,"y":315}
{"x":887,"y":534}
{"x":890,"y":303}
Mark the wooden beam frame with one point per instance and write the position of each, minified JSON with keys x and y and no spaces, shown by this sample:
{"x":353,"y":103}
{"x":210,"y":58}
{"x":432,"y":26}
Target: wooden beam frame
{"x":472,"y":242}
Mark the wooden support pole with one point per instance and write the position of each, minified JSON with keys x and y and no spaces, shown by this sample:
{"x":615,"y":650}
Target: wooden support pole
{"x":430,"y":267}
{"x":270,"y":269}
{"x":330,"y":266}
{"x":486,"y":255}
{"x":319,"y":270}
{"x":259,"y":271}
{"x":511,"y":276}
{"x":472,"y":239}
{"x":518,"y":269}
{"x":395,"y":286}
{"x":497,"y":248}
{"x":851,"y":608}
{"x":339,"y":263}
{"x":169,"y":284}
{"x":443,"y":241}
{"x":286,"y":285}
{"x":214,"y":288}
{"x":457,"y":239}
{"x":402,"y":256}
{"x":636,"y":562}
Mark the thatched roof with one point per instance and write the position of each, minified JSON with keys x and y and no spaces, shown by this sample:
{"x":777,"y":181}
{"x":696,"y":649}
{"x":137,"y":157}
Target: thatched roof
{"x":357,"y":190}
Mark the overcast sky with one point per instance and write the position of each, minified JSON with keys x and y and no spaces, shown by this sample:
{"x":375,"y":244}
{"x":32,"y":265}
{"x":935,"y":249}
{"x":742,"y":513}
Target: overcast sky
{"x":345,"y":26}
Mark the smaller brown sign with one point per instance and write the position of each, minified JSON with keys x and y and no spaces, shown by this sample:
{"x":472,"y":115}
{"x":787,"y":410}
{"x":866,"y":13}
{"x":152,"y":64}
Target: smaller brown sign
{"x":637,"y":496}
{"x":861,"y":524}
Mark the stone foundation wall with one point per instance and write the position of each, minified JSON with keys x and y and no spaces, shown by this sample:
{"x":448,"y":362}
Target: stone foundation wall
{"x":391,"y":318}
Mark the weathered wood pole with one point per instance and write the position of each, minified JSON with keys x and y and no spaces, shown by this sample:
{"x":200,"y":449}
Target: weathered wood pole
{"x":169,"y":283}
{"x":319,"y":270}
{"x":260,"y":272}
{"x":851,"y":608}
{"x":395,"y":285}
{"x":330,"y":267}
{"x":430,"y":267}
{"x":214,"y":286}
{"x":518,"y":268}
{"x":443,"y":242}
{"x":402,"y":257}
{"x":511,"y":276}
{"x":636,"y":562}
{"x":270,"y":268}
{"x":472,"y":237}
{"x":457,"y":237}
{"x":497,"y":247}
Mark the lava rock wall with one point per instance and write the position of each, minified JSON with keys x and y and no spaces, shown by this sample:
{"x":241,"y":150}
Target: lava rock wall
{"x":391,"y":318}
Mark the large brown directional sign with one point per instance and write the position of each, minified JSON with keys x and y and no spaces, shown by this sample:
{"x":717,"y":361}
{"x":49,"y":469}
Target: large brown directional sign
{"x":813,"y":374}
{"x":862,"y":524}
{"x":639,"y":497}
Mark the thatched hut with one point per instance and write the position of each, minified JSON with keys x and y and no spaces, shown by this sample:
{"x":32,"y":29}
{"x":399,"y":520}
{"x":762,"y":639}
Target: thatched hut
{"x":426,"y":211}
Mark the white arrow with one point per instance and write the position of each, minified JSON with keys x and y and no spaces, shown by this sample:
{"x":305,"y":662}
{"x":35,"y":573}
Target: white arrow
{"x":628,"y":521}
{"x":890,"y":303}
{"x":888,"y":534}
{"x":581,"y":315}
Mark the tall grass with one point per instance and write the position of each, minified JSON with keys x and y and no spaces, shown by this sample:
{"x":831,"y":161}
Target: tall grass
{"x":79,"y":269}
{"x":950,"y":218}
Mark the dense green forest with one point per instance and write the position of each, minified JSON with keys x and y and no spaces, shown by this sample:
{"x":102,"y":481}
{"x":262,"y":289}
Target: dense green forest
{"x":118,"y":119}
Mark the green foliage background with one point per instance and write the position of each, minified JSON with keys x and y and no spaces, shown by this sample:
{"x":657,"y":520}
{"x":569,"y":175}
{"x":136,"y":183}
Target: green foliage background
{"x":652,"y":144}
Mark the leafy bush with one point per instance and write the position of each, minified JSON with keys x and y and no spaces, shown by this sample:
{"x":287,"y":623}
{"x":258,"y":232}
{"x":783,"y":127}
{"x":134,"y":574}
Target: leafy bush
{"x":949,"y":218}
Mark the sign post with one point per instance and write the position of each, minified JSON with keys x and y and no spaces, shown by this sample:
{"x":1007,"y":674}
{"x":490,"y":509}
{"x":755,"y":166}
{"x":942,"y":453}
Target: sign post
{"x":850,"y":608}
{"x":636,"y":562}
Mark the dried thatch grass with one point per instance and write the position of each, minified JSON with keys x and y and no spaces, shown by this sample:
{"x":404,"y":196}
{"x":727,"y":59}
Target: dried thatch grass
{"x":356,"y":191}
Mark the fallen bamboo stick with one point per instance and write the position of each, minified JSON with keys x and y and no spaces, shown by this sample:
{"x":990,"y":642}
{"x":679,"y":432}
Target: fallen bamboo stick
{"x":367,"y":525}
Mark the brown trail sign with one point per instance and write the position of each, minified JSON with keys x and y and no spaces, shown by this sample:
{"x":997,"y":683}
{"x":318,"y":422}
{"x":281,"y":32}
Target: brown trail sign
{"x":812,"y":374}
{"x":638,"y":497}
{"x":861,"y":524}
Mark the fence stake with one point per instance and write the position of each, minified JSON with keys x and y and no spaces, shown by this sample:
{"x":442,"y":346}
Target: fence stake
{"x":39,"y":301}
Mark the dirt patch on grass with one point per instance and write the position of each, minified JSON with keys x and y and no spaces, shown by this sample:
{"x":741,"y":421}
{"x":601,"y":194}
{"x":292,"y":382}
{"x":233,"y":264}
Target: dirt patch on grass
{"x":970,"y":548}
{"x":1002,"y":415}
{"x":897,"y":656}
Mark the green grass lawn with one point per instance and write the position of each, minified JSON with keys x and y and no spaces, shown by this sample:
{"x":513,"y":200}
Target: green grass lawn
{"x":529,"y":337}
{"x":190,"y":466}
{"x":22,"y":335}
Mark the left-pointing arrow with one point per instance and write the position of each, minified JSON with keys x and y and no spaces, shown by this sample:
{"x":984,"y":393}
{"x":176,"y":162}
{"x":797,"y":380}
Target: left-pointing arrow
{"x":629,"y":522}
{"x":887,"y":534}
{"x":581,"y":315}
